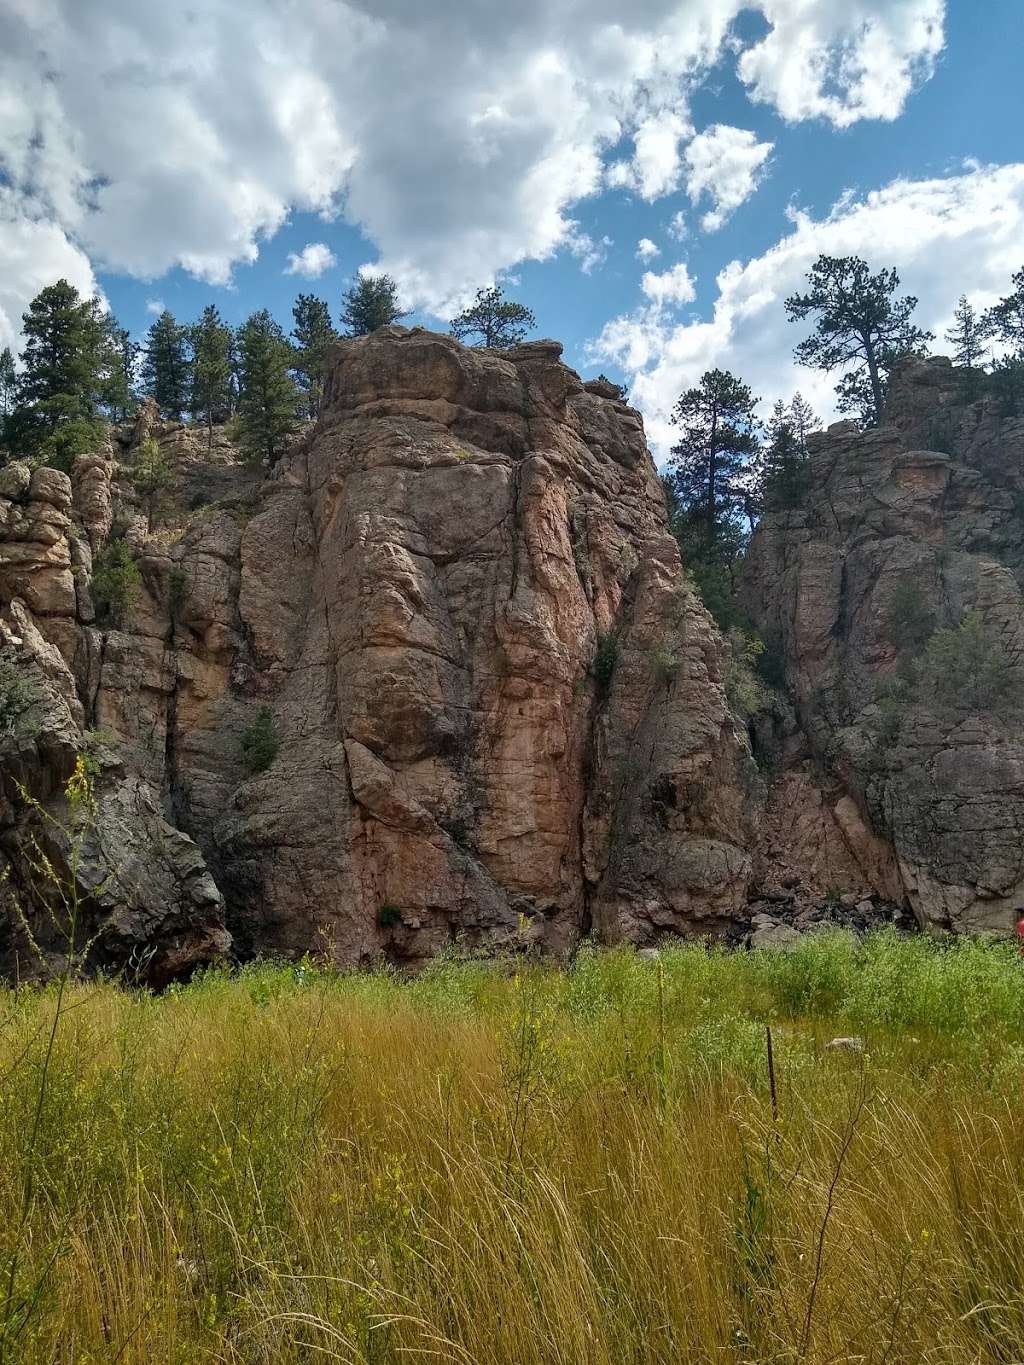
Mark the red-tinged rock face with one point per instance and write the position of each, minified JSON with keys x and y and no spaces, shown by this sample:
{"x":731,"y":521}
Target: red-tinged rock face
{"x":418,"y":593}
{"x":907,"y":529}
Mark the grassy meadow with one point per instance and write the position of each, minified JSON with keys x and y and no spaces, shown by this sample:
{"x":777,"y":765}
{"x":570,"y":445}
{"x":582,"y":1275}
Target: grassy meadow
{"x":511,"y":1163}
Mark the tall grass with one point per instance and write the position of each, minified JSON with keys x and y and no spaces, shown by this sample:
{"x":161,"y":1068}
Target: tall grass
{"x":494,"y":1163}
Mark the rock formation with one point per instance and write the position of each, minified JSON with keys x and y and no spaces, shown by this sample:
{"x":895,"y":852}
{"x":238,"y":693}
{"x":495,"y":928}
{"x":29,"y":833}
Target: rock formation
{"x":906,"y":528}
{"x":438,"y":678}
{"x":495,"y":707}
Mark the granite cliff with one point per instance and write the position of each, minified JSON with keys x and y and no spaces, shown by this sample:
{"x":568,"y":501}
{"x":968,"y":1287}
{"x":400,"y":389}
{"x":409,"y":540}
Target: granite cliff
{"x":493,"y":709}
{"x":908,"y":529}
{"x":496,"y":705}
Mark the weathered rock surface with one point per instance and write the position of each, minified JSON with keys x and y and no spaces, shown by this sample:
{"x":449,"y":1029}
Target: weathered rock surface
{"x":931,"y":796}
{"x":418,"y":593}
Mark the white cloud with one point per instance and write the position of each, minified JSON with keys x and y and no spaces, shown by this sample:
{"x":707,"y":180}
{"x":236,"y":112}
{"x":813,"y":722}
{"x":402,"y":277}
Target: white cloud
{"x":311,"y":261}
{"x":34,"y":253}
{"x":154,"y":307}
{"x":723,"y":163}
{"x":646,"y":250}
{"x":656,"y":163}
{"x":677,"y":227}
{"x":670,"y":287}
{"x":843,"y":60}
{"x":588,"y":252}
{"x":960,"y":234}
{"x":177,"y":133}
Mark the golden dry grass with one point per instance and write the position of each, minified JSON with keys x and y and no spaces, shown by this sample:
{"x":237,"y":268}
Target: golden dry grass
{"x":492,"y":1164}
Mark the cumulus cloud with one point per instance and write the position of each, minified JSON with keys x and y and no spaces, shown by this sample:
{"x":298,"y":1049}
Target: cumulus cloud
{"x":722,"y":163}
{"x":948,"y":236}
{"x":677,"y":227}
{"x":810,"y":64}
{"x":311,"y":261}
{"x":670,"y":287}
{"x":656,"y":162}
{"x":646,"y":250}
{"x":184,"y":134}
{"x":154,"y":307}
{"x":590,"y":252}
{"x":34,"y":253}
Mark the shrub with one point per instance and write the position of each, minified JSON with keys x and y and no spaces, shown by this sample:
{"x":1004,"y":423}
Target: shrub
{"x":178,"y":587}
{"x":260,"y":743}
{"x":116,"y":582}
{"x":909,"y":620}
{"x":17,"y":694}
{"x":747,"y":694}
{"x":606,"y":656}
{"x":153,"y":477}
{"x":965,"y":667}
{"x":389,"y":915}
{"x":663,"y":664}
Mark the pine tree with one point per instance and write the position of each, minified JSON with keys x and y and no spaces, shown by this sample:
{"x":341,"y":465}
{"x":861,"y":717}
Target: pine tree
{"x":372,"y":302}
{"x":270,"y":400}
{"x":313,"y":333}
{"x":62,"y":375}
{"x":861,"y":327}
{"x":211,"y":370}
{"x":497,"y":322}
{"x":968,"y":335}
{"x":153,"y":477}
{"x":784,"y":472}
{"x":719,"y":441}
{"x":166,"y":366}
{"x":803,"y":420}
{"x":118,"y":354}
{"x":1005,"y":320}
{"x":8,"y":382}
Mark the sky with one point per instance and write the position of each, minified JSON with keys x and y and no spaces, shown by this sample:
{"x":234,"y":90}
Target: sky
{"x":652,"y":180}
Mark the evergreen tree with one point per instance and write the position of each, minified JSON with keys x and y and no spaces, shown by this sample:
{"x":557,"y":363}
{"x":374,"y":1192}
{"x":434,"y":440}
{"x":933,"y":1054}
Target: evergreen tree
{"x":62,"y":375}
{"x":211,"y":370}
{"x":784,"y":472}
{"x":372,"y":302}
{"x":719,"y":440}
{"x":8,"y":382}
{"x":497,"y":322}
{"x":270,"y":400}
{"x":235,"y":363}
{"x":153,"y":478}
{"x":166,"y":366}
{"x":861,"y":327}
{"x":968,"y":335}
{"x":313,"y":333}
{"x":803,"y":420}
{"x":118,"y":355}
{"x":1005,"y":320}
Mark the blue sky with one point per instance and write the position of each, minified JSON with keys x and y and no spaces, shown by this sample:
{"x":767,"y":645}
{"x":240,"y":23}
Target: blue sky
{"x":538,"y":146}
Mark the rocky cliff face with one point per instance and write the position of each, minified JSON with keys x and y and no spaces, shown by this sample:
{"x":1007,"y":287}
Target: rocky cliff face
{"x":906,"y":529}
{"x":492,"y":709}
{"x":498,"y":707}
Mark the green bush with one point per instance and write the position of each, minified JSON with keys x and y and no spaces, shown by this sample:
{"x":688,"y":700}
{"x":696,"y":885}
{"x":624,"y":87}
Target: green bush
{"x":663,"y":664}
{"x":909,"y":620}
{"x":116,"y":582}
{"x":389,"y":915}
{"x":606,"y":656}
{"x":260,"y":743}
{"x":178,"y":587}
{"x":152,"y":474}
{"x":747,"y":694}
{"x":17,"y":694}
{"x":965,"y":668}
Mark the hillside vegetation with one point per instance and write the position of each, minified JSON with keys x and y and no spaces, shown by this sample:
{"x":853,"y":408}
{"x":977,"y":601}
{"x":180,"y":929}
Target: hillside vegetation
{"x":507,"y":1163}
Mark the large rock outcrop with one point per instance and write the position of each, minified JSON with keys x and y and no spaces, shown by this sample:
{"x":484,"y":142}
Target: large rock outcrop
{"x":495,"y":707}
{"x":906,"y":529}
